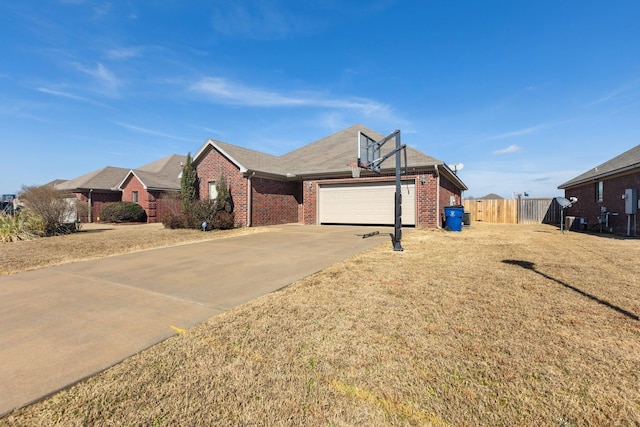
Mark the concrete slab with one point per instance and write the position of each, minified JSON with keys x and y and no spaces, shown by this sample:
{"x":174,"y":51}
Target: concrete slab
{"x":63,"y":324}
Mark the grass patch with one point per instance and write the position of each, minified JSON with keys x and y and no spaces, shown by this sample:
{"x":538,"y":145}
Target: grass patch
{"x":97,"y":241}
{"x":497,"y":325}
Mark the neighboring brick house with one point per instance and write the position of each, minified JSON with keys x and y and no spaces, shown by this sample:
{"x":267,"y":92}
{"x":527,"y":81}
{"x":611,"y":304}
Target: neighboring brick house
{"x":155,"y":186}
{"x":95,"y":188}
{"x":314,"y":184}
{"x":148,"y":184}
{"x":600,"y":192}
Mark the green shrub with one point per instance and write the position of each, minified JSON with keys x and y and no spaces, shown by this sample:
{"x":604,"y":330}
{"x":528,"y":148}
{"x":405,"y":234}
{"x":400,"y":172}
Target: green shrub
{"x":122,"y":212}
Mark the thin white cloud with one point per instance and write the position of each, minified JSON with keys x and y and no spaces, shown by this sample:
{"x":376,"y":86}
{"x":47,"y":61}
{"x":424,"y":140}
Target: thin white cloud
{"x":222,"y":90}
{"x":103,"y":8}
{"x":102,"y":74}
{"x":123,"y":52}
{"x":515,"y":133}
{"x":150,"y":131}
{"x":616,"y":93}
{"x":255,"y":20}
{"x":508,"y":150}
{"x":69,"y":96}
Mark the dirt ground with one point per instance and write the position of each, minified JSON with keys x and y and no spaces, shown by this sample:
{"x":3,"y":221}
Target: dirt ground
{"x":495,"y":325}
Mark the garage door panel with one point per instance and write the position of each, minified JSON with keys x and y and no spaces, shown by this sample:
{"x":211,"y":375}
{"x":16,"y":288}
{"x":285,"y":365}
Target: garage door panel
{"x":364,"y":203}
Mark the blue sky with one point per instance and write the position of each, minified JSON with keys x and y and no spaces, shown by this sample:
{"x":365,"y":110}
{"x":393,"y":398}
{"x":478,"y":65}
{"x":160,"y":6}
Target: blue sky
{"x":526,"y":94}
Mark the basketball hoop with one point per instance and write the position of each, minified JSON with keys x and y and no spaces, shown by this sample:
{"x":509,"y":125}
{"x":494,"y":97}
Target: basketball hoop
{"x":355,"y":172}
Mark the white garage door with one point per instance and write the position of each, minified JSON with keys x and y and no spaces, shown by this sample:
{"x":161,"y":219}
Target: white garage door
{"x":365,"y":203}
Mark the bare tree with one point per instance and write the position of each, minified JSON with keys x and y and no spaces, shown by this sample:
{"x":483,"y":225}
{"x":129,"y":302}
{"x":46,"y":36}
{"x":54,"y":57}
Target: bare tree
{"x":49,"y":204}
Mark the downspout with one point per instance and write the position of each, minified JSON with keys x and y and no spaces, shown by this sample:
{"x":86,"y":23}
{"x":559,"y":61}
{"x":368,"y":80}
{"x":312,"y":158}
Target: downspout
{"x":90,"y":216}
{"x":438,"y":225}
{"x":249,"y":190}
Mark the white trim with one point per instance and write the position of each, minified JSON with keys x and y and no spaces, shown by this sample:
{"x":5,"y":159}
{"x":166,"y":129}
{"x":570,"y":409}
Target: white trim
{"x":131,"y":172}
{"x":212,"y":143}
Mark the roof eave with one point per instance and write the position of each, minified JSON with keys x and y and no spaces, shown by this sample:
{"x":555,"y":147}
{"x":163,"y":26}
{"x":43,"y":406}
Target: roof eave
{"x":598,"y":177}
{"x":212,"y":143}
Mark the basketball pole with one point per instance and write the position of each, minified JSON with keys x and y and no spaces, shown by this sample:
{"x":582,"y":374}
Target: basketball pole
{"x":397,"y":236}
{"x":373,"y":164}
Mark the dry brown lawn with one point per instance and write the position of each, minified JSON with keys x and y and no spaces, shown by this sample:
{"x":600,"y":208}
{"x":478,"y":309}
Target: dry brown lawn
{"x":497,"y":325}
{"x":96,"y":241}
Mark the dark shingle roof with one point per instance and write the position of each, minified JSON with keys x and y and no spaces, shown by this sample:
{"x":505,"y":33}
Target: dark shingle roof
{"x":330,"y":155}
{"x":163,"y":174}
{"x":105,"y":179}
{"x":492,"y":196}
{"x":626,"y":161}
{"x":335,"y":152}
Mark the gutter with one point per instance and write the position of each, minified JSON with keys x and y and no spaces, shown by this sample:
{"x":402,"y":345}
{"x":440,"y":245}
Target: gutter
{"x":438,"y":225}
{"x":90,"y":219}
{"x":249,"y":191}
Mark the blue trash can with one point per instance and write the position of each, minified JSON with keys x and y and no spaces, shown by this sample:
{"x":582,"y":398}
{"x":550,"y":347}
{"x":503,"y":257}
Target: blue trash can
{"x":453,"y":218}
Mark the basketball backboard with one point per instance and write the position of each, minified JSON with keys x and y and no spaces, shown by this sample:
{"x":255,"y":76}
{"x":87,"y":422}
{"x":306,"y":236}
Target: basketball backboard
{"x":369,"y":156}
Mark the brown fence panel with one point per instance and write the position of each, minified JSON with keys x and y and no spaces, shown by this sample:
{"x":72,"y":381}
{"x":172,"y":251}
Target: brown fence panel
{"x":514,"y":211}
{"x":538,"y":211}
{"x":501,"y":211}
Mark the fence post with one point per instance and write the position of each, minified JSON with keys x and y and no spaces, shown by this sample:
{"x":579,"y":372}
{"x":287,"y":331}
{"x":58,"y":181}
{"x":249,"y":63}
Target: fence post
{"x":519,"y":209}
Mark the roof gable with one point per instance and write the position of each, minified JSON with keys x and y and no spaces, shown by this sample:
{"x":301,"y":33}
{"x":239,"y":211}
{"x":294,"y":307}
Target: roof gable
{"x":163,"y":174}
{"x":628,"y":160}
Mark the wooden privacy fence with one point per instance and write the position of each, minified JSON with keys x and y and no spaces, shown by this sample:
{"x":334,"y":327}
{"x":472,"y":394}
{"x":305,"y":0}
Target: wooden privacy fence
{"x":514,"y":211}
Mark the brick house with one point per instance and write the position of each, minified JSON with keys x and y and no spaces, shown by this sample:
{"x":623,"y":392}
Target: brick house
{"x":600,"y":192}
{"x":95,"y":188}
{"x":314,"y":184}
{"x":152,"y":185}
{"x":146,"y":185}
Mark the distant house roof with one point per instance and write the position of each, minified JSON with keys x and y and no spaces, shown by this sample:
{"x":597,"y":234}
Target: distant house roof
{"x":56,"y":182}
{"x":626,"y":161}
{"x":163,"y":174}
{"x":327,"y":156}
{"x":105,"y":179}
{"x":492,"y":196}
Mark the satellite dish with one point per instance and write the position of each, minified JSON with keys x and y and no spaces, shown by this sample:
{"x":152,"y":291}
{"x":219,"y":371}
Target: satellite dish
{"x":456,"y":167}
{"x":563,"y":202}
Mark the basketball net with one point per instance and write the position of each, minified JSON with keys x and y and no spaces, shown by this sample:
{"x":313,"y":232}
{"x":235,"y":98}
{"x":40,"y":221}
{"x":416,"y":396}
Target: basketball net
{"x":355,"y":172}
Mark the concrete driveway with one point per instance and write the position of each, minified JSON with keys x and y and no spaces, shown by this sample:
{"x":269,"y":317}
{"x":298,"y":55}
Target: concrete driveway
{"x":63,"y":324}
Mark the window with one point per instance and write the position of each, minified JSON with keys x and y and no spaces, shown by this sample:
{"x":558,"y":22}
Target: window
{"x":599,"y":192}
{"x":134,"y":197}
{"x":213,"y":190}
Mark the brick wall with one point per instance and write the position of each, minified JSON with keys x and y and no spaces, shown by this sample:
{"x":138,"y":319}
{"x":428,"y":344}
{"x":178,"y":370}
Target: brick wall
{"x":210,"y":167}
{"x":98,"y":200}
{"x":448,"y":190}
{"x":145,"y":200}
{"x":274,"y":202}
{"x":613,"y":189}
{"x":427,"y":203}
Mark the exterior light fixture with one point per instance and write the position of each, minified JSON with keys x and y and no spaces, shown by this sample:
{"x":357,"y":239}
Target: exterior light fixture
{"x":310,"y":184}
{"x":423,"y":180}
